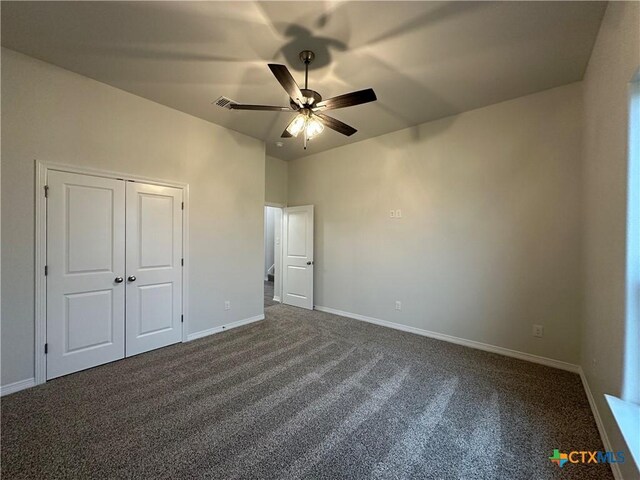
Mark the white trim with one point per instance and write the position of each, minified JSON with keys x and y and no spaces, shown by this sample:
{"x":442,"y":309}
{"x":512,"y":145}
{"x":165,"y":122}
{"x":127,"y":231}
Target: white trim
{"x":627,"y":416}
{"x":549,"y":362}
{"x":109,"y":174}
{"x":17,"y":386}
{"x":40,"y":337}
{"x":615,"y":468}
{"x":42,"y":169}
{"x":185,"y":267}
{"x":224,"y":328}
{"x":278,"y":278}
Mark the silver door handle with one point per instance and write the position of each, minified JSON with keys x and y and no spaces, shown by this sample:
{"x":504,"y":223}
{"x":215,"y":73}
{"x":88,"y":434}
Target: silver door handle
{"x":119,"y":280}
{"x":132,"y":278}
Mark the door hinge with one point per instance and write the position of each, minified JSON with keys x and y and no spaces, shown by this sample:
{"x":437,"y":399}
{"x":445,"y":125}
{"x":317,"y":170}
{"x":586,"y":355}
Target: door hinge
{"x":181,"y":318}
{"x":182,"y":205}
{"x":182,"y":262}
{"x":46,"y":191}
{"x":46,"y":270}
{"x":46,"y":348}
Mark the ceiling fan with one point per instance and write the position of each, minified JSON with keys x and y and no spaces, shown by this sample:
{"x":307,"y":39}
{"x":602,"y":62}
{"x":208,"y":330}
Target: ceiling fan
{"x":310,"y":121}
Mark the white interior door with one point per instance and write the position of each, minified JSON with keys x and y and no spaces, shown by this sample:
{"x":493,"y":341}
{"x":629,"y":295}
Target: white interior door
{"x":154,"y":267}
{"x":86,"y":266}
{"x":297,"y":257}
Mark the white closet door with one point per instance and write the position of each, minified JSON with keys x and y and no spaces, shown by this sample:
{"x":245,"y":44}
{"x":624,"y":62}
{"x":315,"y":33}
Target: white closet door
{"x":85,"y":262}
{"x":154,"y":267}
{"x":297,"y":248}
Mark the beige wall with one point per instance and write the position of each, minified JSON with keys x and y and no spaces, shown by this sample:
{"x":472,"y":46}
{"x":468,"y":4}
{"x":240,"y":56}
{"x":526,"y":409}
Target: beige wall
{"x":614,"y":61}
{"x":54,"y":115}
{"x":276,"y":178}
{"x":489,"y":239}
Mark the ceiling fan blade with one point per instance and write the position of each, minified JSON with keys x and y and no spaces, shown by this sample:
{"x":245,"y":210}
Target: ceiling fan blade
{"x":336,"y":124}
{"x":347,"y":100}
{"x":283,"y":76}
{"x":269,"y":108}
{"x":286,"y":134}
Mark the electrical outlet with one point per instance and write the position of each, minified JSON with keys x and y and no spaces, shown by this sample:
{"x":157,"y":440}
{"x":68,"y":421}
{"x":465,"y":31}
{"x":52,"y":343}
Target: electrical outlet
{"x":227,"y":305}
{"x":398,"y":213}
{"x":538,"y":331}
{"x":393,"y":214}
{"x":398,"y":305}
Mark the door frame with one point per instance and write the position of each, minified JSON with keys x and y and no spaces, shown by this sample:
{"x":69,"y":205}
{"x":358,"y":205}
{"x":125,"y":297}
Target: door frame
{"x":281,"y":206}
{"x":42,"y":169}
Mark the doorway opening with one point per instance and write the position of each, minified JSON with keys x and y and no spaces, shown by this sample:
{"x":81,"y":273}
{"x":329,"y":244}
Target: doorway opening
{"x":272,"y":255}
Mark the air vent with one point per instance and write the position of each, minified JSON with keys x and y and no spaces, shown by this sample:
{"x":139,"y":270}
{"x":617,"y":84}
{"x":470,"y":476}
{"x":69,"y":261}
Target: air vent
{"x":224,"y":102}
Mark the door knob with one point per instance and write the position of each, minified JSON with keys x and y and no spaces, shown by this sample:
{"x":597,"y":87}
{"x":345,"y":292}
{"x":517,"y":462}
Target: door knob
{"x":309,"y":263}
{"x":119,"y":280}
{"x":132,"y":278}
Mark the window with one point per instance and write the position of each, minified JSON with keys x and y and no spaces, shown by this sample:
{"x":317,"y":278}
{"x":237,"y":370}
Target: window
{"x":631,"y":388}
{"x":627,"y":409}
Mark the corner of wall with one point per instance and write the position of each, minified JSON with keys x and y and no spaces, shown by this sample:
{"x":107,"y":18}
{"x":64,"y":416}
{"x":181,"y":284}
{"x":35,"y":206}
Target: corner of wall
{"x":605,"y":123}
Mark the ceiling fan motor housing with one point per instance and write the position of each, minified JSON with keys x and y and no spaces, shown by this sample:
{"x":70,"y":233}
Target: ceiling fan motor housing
{"x":311,"y":97}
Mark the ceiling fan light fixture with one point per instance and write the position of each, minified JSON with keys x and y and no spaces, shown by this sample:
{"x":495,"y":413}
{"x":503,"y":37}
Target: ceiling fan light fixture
{"x":305,"y":122}
{"x":297,"y":125}
{"x":314,"y":127}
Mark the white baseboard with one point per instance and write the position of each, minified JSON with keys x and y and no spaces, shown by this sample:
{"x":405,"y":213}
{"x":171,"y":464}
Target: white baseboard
{"x":17,"y":386}
{"x":277,"y":299}
{"x":224,"y":328}
{"x":31,"y":382}
{"x":549,"y":362}
{"x":615,"y":468}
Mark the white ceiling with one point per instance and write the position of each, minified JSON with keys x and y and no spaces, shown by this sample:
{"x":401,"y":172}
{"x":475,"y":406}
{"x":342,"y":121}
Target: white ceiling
{"x":425,"y":60}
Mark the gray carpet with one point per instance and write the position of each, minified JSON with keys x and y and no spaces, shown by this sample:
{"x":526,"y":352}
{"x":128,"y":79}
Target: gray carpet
{"x":268,"y":295}
{"x":303,"y":395}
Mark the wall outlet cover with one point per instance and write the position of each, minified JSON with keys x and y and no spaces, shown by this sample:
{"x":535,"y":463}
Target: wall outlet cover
{"x":538,"y":331}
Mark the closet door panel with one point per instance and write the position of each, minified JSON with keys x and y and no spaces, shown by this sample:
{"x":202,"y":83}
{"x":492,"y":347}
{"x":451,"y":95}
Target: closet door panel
{"x":86,"y":266}
{"x":154,"y":267}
